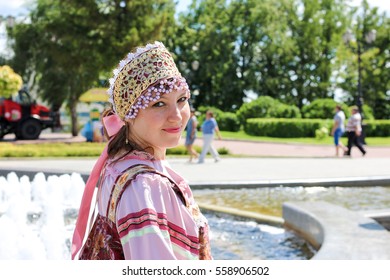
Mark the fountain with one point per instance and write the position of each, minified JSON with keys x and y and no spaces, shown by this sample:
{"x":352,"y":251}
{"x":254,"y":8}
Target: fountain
{"x":40,"y":217}
{"x":340,"y":222}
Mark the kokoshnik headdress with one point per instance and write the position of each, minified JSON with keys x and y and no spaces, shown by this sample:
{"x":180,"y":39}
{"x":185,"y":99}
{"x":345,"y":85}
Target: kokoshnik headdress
{"x":142,"y":77}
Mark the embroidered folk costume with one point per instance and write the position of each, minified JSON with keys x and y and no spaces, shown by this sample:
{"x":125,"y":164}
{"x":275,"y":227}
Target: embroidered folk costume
{"x":145,"y":210}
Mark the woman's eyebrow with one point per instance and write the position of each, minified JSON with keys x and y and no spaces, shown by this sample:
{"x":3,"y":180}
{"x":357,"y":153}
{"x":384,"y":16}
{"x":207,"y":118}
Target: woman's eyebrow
{"x":165,"y":96}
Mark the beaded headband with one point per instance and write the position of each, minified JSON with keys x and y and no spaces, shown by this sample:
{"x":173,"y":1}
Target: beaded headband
{"x":142,"y":77}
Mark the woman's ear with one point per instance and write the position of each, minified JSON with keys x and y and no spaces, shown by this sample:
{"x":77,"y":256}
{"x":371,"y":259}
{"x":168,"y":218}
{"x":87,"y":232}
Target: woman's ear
{"x":130,"y":122}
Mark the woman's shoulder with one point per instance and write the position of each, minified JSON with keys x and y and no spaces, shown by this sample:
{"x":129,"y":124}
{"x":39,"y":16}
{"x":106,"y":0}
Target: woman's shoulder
{"x":144,"y":177}
{"x":152,"y":189}
{"x":152,"y":178}
{"x":122,"y":162}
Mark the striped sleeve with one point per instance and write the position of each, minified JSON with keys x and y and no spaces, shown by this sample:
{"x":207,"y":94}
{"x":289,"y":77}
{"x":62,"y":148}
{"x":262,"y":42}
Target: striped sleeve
{"x":153,"y":223}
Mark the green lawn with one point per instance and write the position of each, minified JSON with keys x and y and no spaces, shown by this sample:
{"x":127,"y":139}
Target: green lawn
{"x":241,"y":135}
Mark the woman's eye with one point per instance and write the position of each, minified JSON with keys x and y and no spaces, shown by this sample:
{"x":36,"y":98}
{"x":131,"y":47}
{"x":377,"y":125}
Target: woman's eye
{"x":159,"y":104}
{"x":183,"y":99}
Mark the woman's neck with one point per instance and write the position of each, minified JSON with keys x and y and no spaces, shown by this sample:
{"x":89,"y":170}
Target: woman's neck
{"x":159,"y":154}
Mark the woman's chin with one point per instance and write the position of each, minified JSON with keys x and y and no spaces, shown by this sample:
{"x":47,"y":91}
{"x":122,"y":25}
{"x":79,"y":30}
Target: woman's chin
{"x":173,"y":144}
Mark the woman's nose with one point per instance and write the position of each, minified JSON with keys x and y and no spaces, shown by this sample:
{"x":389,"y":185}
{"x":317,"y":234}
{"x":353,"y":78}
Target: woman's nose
{"x":175,"y":114}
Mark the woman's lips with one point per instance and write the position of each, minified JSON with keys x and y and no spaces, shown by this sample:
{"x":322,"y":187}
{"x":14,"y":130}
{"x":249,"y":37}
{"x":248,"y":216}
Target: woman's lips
{"x":172,"y":129}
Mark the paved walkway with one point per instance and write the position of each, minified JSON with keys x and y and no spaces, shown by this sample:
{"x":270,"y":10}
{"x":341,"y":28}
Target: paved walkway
{"x":265,"y":149}
{"x":244,"y":148}
{"x":261,"y":163}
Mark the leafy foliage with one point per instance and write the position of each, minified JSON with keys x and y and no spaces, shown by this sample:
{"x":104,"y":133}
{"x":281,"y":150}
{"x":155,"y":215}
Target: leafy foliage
{"x":284,"y":128}
{"x":267,"y":107}
{"x":291,"y":50}
{"x":83,"y":40}
{"x":374,"y":68}
{"x":323,"y":108}
{"x":10,"y":82}
{"x":230,"y":52}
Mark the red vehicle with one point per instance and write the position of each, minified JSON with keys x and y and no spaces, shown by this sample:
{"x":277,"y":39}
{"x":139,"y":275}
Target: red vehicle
{"x":24,"y":117}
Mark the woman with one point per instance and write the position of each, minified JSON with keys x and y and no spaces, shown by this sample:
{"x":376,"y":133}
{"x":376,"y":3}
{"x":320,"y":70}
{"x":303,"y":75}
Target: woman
{"x":338,"y":129}
{"x":191,"y":135}
{"x":354,"y":131}
{"x":145,"y":209}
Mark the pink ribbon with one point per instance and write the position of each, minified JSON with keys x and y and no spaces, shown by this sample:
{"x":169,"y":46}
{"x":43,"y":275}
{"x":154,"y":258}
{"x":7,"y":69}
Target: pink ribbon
{"x":112,"y":124}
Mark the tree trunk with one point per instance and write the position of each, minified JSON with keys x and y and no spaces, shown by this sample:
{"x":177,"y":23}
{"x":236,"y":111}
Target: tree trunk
{"x":73,"y":118}
{"x":57,"y":118}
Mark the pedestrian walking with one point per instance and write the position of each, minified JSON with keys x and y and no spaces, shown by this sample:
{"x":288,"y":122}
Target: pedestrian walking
{"x":209,"y":129}
{"x":191,"y":135}
{"x":338,"y":129}
{"x":354,"y":130}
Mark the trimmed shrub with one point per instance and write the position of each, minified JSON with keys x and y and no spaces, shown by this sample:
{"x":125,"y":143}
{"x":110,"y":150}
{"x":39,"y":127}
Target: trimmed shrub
{"x":377,"y":128}
{"x":223,"y":151}
{"x":228,"y":122}
{"x":267,"y":107}
{"x":287,"y":111}
{"x":322,"y":133}
{"x":285,"y":128}
{"x":323,"y":108}
{"x":181,"y":150}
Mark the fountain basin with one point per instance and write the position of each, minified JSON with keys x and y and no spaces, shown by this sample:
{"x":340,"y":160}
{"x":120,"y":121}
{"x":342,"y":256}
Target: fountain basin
{"x":338,"y":233}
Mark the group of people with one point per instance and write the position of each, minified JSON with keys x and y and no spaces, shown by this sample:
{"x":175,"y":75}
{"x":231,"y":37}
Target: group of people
{"x":353,"y":130}
{"x":209,"y":129}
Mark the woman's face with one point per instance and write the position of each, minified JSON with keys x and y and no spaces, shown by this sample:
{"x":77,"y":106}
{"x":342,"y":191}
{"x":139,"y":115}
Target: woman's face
{"x":161,"y":124}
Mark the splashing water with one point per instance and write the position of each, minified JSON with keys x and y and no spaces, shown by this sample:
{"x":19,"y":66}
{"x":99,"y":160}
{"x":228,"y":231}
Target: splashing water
{"x":37,"y":218}
{"x":37,"y":221}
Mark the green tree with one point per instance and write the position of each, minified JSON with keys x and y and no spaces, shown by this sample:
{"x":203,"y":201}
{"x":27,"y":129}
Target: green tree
{"x":73,"y":42}
{"x":316,"y":26}
{"x":375,"y":57}
{"x":267,"y":107}
{"x":205,"y":36}
{"x":281,"y":49}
